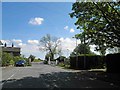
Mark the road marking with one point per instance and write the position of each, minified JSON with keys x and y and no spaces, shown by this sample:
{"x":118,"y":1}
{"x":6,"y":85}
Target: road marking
{"x":7,"y":79}
{"x":10,"y":76}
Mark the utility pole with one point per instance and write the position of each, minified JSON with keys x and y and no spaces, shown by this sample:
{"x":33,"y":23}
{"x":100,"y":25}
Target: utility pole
{"x":76,"y":53}
{"x":76,"y":56}
{"x":84,"y":47}
{"x":84,"y":53}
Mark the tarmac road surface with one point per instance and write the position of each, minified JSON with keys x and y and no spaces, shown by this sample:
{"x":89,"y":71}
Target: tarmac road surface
{"x":40,"y":75}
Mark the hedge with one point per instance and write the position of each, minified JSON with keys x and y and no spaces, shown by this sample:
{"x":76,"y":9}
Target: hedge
{"x":91,"y":61}
{"x":113,"y":63}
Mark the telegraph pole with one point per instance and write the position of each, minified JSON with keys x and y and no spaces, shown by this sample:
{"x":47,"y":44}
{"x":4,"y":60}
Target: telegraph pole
{"x":84,"y":53}
{"x":76,"y":55}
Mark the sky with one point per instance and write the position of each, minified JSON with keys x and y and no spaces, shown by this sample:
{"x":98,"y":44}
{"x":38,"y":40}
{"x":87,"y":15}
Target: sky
{"x":25,"y":23}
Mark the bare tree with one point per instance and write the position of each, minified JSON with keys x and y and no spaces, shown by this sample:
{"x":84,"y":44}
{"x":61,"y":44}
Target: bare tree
{"x":50,"y":44}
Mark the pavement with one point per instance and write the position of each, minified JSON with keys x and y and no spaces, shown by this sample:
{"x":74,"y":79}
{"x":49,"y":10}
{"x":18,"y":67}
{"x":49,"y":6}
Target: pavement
{"x":40,"y":75}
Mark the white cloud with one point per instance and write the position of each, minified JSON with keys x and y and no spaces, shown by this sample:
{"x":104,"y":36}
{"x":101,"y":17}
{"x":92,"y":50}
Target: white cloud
{"x":5,"y":41}
{"x":68,"y":43}
{"x":36,"y":21}
{"x":30,"y":49}
{"x":72,"y":30}
{"x":33,"y":41}
{"x":21,"y":44}
{"x":66,"y":27}
{"x":17,"y":41}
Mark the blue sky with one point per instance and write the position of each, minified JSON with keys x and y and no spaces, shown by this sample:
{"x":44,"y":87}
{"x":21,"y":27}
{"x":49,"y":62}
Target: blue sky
{"x":25,"y":23}
{"x":17,"y":15}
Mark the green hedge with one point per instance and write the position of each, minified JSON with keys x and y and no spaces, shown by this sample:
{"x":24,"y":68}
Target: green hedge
{"x":113,"y":63}
{"x":7,"y":59}
{"x":91,"y":61}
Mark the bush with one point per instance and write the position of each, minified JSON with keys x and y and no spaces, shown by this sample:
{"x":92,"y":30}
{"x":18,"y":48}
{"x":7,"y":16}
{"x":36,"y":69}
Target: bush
{"x":45,"y":62}
{"x":6,"y":57}
{"x":91,"y":62}
{"x":67,"y":66}
{"x":12,"y":62}
{"x":61,"y":64}
{"x":113,"y":63}
{"x":29,"y":64}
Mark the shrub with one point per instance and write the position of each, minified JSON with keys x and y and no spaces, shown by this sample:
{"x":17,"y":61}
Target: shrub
{"x":6,"y":57}
{"x":45,"y":62}
{"x":113,"y":63}
{"x":61,"y":64}
{"x":91,"y":61}
{"x":12,"y":62}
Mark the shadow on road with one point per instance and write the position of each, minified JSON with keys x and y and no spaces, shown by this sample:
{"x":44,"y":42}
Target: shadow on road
{"x":62,"y":80}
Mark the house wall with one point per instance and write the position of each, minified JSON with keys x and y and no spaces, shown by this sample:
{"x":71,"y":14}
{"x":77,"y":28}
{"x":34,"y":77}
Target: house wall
{"x":15,"y":51}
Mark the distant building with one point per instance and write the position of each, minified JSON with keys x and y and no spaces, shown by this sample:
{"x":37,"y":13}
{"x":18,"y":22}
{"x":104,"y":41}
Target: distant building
{"x":14,"y":51}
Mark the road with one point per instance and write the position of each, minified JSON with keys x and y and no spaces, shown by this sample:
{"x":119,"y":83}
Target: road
{"x":40,"y":75}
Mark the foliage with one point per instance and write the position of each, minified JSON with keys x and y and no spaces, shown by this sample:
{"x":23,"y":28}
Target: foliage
{"x":16,"y":58}
{"x":32,"y":57}
{"x":51,"y":45}
{"x":113,"y":63}
{"x":100,"y":22}
{"x":81,"y":49}
{"x":47,"y":56}
{"x":90,"y":62}
{"x":6,"y":57}
{"x":40,"y":59}
{"x":45,"y":62}
{"x":113,"y":50}
{"x":37,"y":60}
{"x":61,"y":58}
{"x":12,"y":62}
{"x":61,"y":64}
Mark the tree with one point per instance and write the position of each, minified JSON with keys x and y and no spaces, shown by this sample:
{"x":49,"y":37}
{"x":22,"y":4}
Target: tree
{"x":81,"y":49}
{"x":47,"y":56}
{"x":100,"y":22}
{"x":51,"y":45}
{"x":32,"y":57}
{"x":61,"y":58}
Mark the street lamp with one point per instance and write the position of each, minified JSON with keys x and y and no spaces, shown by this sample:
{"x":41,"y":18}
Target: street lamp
{"x":84,"y":53}
{"x":76,"y":54}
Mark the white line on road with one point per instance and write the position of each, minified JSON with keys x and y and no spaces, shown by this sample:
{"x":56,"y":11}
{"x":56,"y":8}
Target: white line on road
{"x":10,"y":77}
{"x":7,"y":79}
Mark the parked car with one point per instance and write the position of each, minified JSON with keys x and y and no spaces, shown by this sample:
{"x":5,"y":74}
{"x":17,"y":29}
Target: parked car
{"x":20,"y":63}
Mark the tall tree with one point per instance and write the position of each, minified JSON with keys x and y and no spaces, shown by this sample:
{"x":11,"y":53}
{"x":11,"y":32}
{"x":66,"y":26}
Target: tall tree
{"x":51,"y":45}
{"x":81,"y":49}
{"x":100,"y":22}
